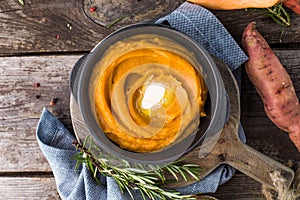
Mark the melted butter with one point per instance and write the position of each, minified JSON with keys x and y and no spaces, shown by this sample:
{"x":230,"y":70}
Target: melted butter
{"x":153,"y":95}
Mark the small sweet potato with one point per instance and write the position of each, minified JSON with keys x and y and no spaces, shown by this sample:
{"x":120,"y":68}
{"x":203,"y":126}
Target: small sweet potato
{"x":235,"y":4}
{"x":294,"y":5}
{"x":273,"y":83}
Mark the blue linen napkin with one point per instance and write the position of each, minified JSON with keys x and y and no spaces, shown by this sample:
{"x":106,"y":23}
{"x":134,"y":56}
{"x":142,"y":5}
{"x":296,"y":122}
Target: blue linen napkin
{"x":55,"y":140}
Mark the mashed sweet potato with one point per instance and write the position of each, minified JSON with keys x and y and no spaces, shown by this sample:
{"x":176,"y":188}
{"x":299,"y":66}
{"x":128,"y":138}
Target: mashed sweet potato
{"x":137,"y":118}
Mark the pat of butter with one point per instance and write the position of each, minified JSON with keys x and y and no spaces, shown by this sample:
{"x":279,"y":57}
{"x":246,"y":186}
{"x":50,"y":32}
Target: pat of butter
{"x":154,"y":93}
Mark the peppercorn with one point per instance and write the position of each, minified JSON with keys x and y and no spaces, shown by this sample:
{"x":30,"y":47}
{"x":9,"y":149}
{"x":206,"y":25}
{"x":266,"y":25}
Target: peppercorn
{"x":37,"y":85}
{"x":69,"y":26}
{"x":37,"y":96}
{"x":53,"y":102}
{"x":93,"y":9}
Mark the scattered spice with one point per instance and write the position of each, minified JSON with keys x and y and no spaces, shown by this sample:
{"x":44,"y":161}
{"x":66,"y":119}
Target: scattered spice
{"x":37,"y":85}
{"x":222,"y":157}
{"x":37,"y":96}
{"x":93,"y":9}
{"x":69,"y":26}
{"x":53,"y":101}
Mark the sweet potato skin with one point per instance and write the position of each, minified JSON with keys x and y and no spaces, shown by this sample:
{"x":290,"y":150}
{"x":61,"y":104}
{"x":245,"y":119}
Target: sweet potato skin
{"x":273,"y":83}
{"x":294,"y":5}
{"x":235,"y":4}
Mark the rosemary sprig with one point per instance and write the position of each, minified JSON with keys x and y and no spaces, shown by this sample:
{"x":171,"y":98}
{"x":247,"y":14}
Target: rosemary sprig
{"x":276,"y":12}
{"x":279,"y":14}
{"x":131,"y":179}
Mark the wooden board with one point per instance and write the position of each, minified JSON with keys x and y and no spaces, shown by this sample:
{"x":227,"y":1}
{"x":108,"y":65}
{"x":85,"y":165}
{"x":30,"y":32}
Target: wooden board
{"x":24,"y":188}
{"x":20,"y":109}
{"x":240,"y":187}
{"x":36,"y":188}
{"x":17,"y":138}
{"x":40,"y":30}
{"x":107,"y":12}
{"x":35,"y":27}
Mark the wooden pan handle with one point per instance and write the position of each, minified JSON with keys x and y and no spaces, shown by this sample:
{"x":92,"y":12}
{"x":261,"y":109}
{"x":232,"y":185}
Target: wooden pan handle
{"x":253,"y":163}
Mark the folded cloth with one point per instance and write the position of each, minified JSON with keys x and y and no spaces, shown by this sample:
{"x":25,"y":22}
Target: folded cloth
{"x":55,"y":140}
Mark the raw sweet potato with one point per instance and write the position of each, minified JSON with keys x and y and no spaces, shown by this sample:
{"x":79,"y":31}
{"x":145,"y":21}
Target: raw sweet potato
{"x":294,"y":5}
{"x":235,"y":4}
{"x":273,"y":83}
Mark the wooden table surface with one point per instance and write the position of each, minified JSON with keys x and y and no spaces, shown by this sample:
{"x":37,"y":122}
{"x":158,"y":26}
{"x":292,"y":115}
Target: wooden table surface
{"x":41,"y":41}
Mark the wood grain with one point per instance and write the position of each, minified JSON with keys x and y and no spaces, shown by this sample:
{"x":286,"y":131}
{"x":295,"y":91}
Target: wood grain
{"x":41,"y":30}
{"x":24,"y":188}
{"x":20,"y":109}
{"x":240,"y":187}
{"x":107,"y":11}
{"x":35,"y":27}
{"x":236,"y":21}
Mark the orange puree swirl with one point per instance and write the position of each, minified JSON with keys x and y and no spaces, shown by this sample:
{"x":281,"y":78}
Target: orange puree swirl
{"x":127,"y":115}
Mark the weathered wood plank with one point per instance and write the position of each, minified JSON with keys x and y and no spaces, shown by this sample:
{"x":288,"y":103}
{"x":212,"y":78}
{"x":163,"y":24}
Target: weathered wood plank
{"x":266,"y":138}
{"x":36,"y":26}
{"x":28,"y":188}
{"x":20,"y":109}
{"x":240,"y":187}
{"x":107,"y":11}
{"x":41,"y":26}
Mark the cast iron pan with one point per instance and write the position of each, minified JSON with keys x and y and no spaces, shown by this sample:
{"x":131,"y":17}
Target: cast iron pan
{"x":223,"y":147}
{"x":216,"y":105}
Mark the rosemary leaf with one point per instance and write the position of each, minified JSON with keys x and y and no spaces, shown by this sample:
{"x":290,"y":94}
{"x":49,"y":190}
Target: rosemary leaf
{"x":139,"y":179}
{"x":171,"y":172}
{"x":120,"y":184}
{"x":288,"y":18}
{"x":136,"y":170}
{"x":85,"y":141}
{"x":22,"y":2}
{"x":193,"y":174}
{"x":159,"y":173}
{"x":129,"y":192}
{"x":143,"y":196}
{"x":183,"y":175}
{"x":116,"y":21}
{"x":276,"y":20}
{"x":95,"y":172}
